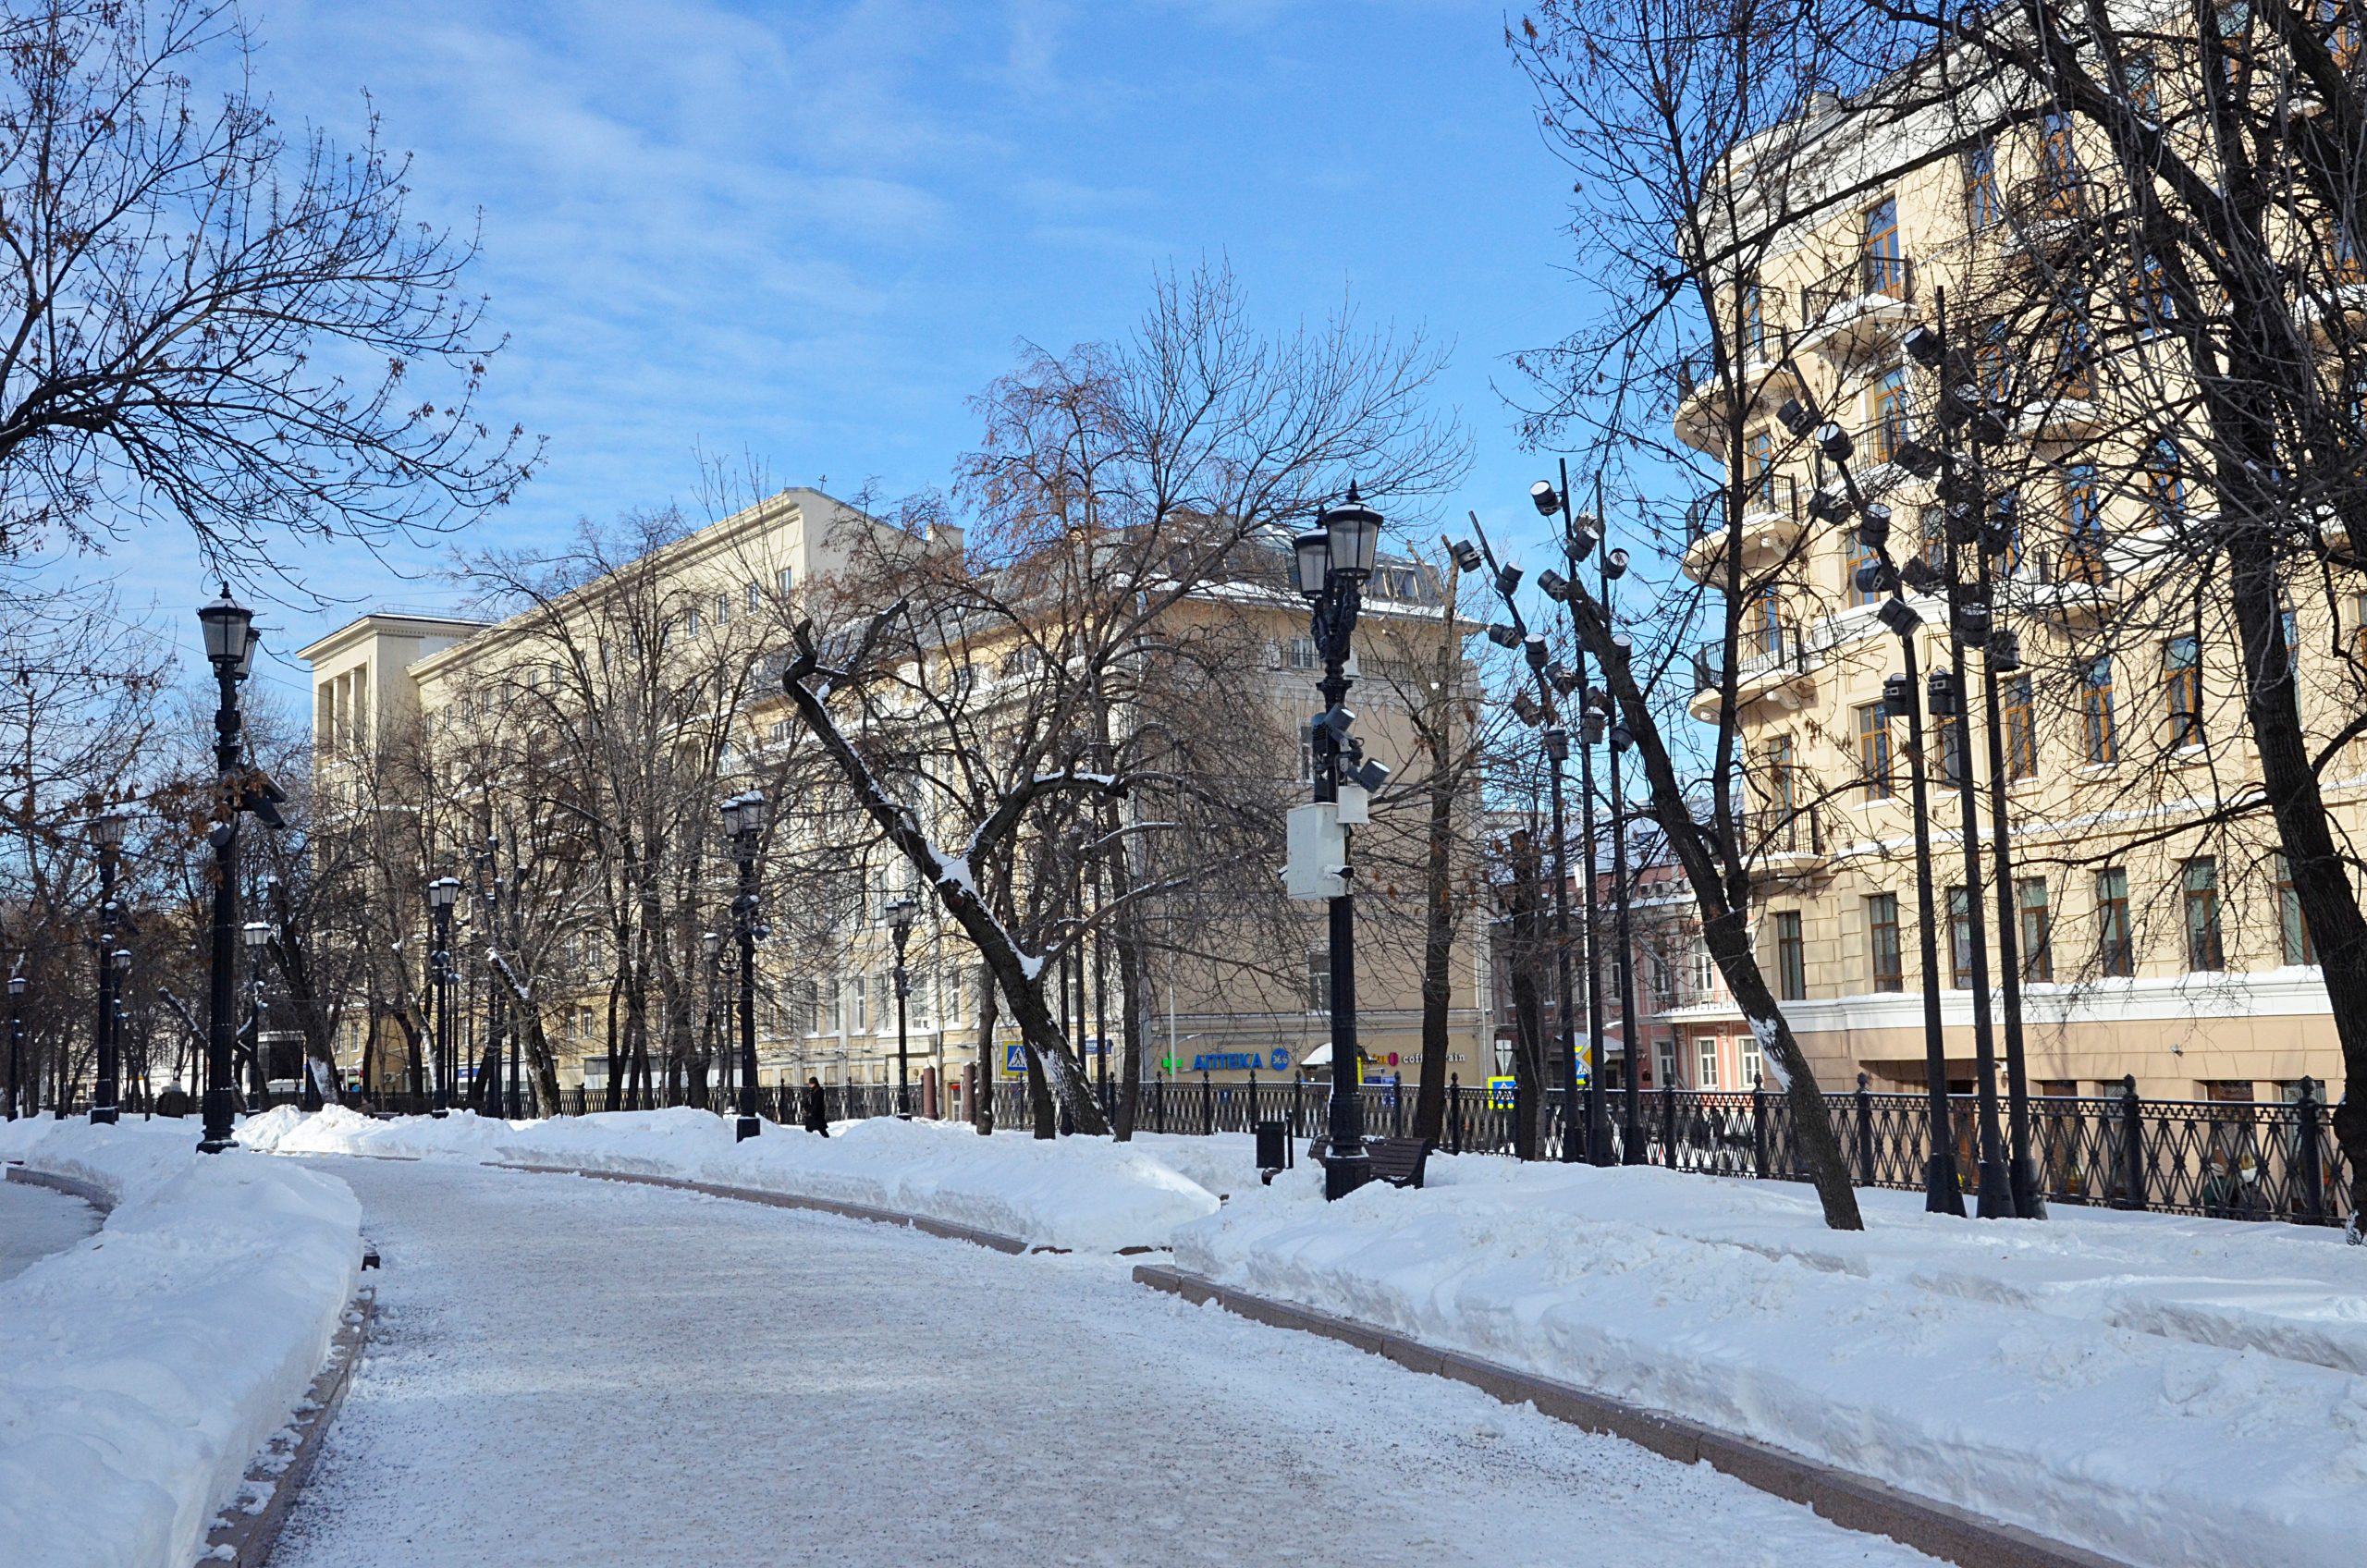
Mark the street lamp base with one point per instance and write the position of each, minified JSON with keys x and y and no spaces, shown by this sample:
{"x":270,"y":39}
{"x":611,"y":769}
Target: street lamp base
{"x":748,"y":1128}
{"x":1996,"y":1191}
{"x":1344,"y":1174}
{"x":216,"y":1145}
{"x":1940,"y":1193}
{"x":2029,"y":1202}
{"x":1631,"y":1147}
{"x":105,"y":1115}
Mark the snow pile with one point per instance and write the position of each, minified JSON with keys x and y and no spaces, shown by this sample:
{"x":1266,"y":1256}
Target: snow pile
{"x":148,"y":1365}
{"x":1995,"y":1366}
{"x":1086,"y":1194}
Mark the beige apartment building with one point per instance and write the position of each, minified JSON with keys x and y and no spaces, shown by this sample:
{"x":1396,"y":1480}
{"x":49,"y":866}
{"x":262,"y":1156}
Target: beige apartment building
{"x":827,"y":1008}
{"x":2155,"y":942}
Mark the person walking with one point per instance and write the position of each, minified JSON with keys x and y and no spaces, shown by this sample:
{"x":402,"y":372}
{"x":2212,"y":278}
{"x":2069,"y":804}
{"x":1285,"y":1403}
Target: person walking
{"x":809,"y":1108}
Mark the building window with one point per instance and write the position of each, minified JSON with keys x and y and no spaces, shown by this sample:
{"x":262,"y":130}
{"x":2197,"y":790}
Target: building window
{"x":1318,"y":980}
{"x":1705,"y":970}
{"x":2037,"y":928}
{"x":786,"y":579}
{"x":2101,"y":744}
{"x":1947,"y":748}
{"x":2115,"y":954}
{"x":1874,"y":751}
{"x":1754,"y":1061}
{"x":2182,"y":690}
{"x":1884,"y":265}
{"x":690,"y":624}
{"x":834,"y":1018}
{"x":723,"y":609}
{"x":1889,"y":410}
{"x":1758,"y":469}
{"x":2292,"y":932}
{"x":1981,"y":186}
{"x":1882,"y":925}
{"x":1959,"y":939}
{"x":1791,"y":957}
{"x":2021,"y":733}
{"x":2144,"y":86}
{"x":755,"y":598}
{"x":1301,"y":653}
{"x":1705,"y":1076}
{"x":1753,"y":312}
{"x":1668,"y":1063}
{"x":859,"y":997}
{"x":2083,"y":525}
{"x":2057,"y":159}
{"x":2199,"y":877}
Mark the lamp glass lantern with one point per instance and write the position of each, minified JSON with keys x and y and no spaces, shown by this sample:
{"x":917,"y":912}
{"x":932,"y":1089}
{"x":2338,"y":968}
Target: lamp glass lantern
{"x":108,"y":829}
{"x":229,"y":631}
{"x":1314,"y":555}
{"x":900,"y":914}
{"x":712,"y":942}
{"x":16,"y":985}
{"x":257,"y":935}
{"x":1354,"y":531}
{"x":443,"y":892}
{"x":122,"y":960}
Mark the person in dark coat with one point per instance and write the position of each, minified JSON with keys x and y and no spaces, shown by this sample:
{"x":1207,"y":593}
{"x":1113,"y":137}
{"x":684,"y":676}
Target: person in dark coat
{"x":809,"y":1108}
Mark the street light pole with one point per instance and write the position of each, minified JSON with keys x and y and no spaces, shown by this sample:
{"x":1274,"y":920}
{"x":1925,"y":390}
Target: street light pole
{"x":16,"y":1041}
{"x":106,"y":1094}
{"x":1333,"y":561}
{"x":442,"y":894}
{"x":900,"y":926}
{"x":257,"y":936}
{"x":1943,"y":1193}
{"x":230,"y":642}
{"x":744,"y":818}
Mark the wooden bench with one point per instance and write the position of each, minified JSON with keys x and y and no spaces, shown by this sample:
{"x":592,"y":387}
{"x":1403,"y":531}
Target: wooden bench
{"x":1397,"y":1161}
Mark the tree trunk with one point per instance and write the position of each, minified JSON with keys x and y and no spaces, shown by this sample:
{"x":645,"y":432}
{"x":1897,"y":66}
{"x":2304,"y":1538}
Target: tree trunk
{"x":1438,"y":955}
{"x":982,"y":1108}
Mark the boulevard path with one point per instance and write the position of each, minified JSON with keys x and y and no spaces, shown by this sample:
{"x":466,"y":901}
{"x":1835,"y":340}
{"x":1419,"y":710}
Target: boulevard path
{"x":576,"y":1372}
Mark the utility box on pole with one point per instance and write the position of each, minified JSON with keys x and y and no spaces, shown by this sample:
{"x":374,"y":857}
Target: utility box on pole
{"x":1317,"y":867}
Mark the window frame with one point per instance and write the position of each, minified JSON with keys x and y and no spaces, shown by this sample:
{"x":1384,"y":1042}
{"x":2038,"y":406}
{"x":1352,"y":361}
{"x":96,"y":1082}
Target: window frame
{"x":2116,"y":943}
{"x":2206,"y":946}
{"x":1791,"y":957}
{"x":1882,"y":916}
{"x":2035,"y":923}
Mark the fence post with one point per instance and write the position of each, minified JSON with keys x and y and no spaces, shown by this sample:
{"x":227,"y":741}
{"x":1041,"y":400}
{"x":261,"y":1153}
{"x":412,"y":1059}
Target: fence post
{"x":1252,"y":1122}
{"x":1208,"y":1105}
{"x":1865,"y":1130}
{"x":1298,"y":1122}
{"x":1454,"y":1113}
{"x":2313,"y":1172}
{"x":1668,"y":1121}
{"x":2132,"y":1135}
{"x":1758,"y":1127}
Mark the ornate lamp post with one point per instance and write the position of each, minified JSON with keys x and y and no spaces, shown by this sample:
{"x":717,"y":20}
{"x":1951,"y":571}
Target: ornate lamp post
{"x":899,"y":914}
{"x":16,"y":1041}
{"x":442,"y":894}
{"x":743,"y":819}
{"x":711,"y":943}
{"x":230,"y":642}
{"x":107,"y":832}
{"x":256,"y":934}
{"x":1333,"y":563}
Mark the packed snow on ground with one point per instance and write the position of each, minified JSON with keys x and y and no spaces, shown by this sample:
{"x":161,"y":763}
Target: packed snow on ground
{"x":2165,"y":1392}
{"x":1080,"y":1193}
{"x":36,"y":1222}
{"x":148,"y":1365}
{"x":594,"y":1373}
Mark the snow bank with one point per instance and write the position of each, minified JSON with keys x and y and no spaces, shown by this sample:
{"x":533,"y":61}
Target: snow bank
{"x":1086,"y":1194}
{"x":1988,"y":1365}
{"x":148,"y":1365}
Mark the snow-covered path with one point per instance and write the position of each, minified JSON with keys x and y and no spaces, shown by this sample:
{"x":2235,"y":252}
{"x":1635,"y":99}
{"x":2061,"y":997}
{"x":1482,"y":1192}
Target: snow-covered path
{"x":578,"y":1372}
{"x":35,"y":1221}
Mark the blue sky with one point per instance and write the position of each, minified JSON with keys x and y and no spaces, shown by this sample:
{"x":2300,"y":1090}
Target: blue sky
{"x":807,"y":233}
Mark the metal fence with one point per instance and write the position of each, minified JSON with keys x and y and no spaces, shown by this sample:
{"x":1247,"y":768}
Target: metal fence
{"x":2221,"y":1159}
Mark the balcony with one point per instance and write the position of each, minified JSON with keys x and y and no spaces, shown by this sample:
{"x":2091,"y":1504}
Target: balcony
{"x":1864,"y":303}
{"x":1772,"y":662}
{"x":1772,"y":521}
{"x":1785,"y":842}
{"x":1765,"y":379}
{"x":2065,"y":582}
{"x":2067,"y":417}
{"x":2050,"y":214}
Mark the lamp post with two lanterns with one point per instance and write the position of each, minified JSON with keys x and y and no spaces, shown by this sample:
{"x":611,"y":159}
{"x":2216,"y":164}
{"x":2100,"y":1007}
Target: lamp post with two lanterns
{"x":231,"y":644}
{"x":442,"y":894}
{"x":900,"y":914}
{"x":744,"y":820}
{"x":107,"y":832}
{"x":256,"y":934}
{"x":1333,"y":561}
{"x":16,"y":1041}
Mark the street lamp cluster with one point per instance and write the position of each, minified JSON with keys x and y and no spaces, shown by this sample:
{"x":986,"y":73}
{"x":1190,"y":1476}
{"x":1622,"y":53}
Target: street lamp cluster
{"x":744,"y":822}
{"x":1982,"y":526}
{"x":1582,"y":540}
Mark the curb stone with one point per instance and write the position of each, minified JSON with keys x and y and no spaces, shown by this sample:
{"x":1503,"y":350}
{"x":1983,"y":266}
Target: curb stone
{"x":1854,"y":1502}
{"x":247,"y":1537}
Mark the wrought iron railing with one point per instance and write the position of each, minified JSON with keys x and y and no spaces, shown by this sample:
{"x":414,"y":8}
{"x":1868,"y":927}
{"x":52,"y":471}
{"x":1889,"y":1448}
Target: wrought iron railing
{"x":1867,"y":274}
{"x":1760,"y":650}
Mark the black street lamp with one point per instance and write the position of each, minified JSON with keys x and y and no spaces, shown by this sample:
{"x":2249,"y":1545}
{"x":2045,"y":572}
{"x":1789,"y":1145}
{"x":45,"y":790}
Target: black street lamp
{"x":488,"y":1093}
{"x":230,"y":642}
{"x":711,"y":943}
{"x":256,"y":934}
{"x":899,"y":914}
{"x":1942,"y":1193}
{"x":743,"y":819}
{"x":107,"y":832}
{"x":16,"y":1041}
{"x":1333,"y":563}
{"x":1599,"y":720}
{"x":442,"y":894}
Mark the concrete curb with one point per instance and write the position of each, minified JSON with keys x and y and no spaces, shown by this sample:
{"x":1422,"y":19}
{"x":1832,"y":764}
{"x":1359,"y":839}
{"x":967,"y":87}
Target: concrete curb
{"x":71,"y":1186}
{"x":1855,"y":1502}
{"x":946,"y":1228}
{"x":279,"y":1473}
